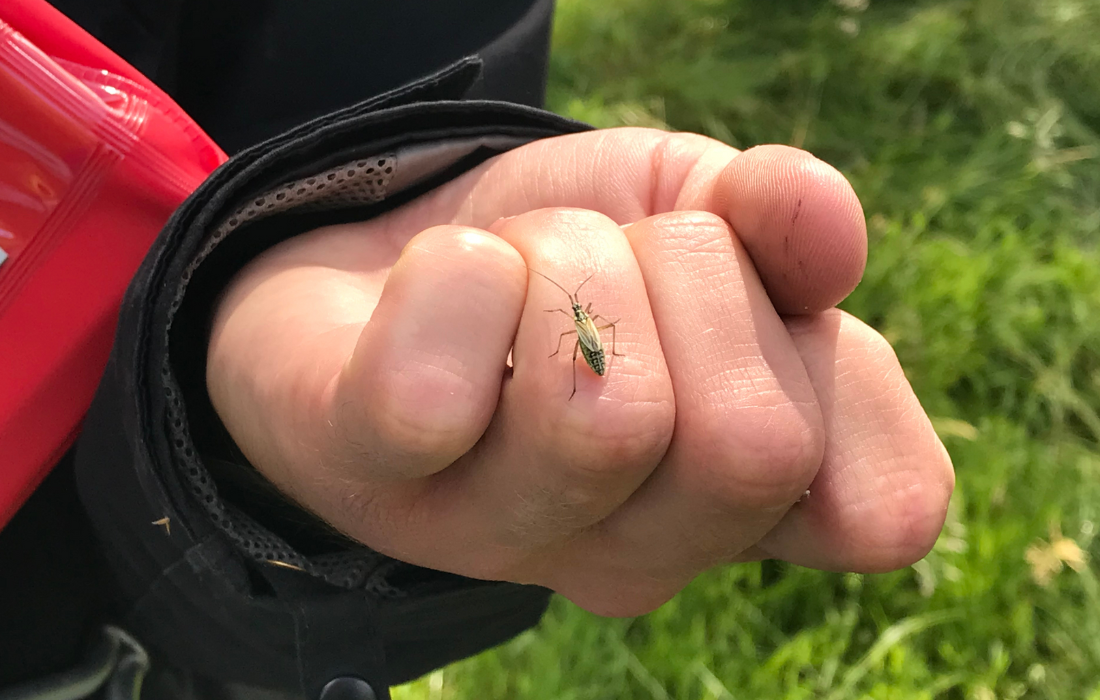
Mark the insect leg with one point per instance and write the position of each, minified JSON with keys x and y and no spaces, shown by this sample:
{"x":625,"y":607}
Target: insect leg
{"x":575,"y":349}
{"x":611,"y":325}
{"x":559,"y":343}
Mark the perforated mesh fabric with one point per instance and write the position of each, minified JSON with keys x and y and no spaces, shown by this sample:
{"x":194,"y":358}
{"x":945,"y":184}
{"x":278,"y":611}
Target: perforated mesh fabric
{"x":362,"y":181}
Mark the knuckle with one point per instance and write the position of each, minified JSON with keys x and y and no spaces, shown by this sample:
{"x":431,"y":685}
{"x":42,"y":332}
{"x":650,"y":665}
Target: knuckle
{"x":426,"y":414}
{"x":624,"y":446}
{"x":411,"y":433}
{"x":905,"y":529}
{"x":594,"y":466}
{"x":761,"y":458}
{"x":903,"y":498}
{"x":908,"y":512}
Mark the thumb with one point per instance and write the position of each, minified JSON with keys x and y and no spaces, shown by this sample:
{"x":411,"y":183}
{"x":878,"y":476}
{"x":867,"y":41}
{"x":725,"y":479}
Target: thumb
{"x":798,"y":217}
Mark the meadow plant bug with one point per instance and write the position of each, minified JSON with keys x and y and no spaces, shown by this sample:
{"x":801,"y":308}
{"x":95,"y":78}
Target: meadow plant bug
{"x":588,"y":333}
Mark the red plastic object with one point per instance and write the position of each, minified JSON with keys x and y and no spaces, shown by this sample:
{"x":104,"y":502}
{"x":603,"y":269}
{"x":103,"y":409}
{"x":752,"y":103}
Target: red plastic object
{"x":93,"y":160}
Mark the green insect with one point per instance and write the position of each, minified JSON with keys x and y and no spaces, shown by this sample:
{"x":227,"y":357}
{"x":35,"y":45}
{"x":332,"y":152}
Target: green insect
{"x":588,"y":333}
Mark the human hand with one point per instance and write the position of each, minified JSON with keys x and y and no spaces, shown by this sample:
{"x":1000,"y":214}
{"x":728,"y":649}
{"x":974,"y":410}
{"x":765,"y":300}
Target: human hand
{"x":362,"y":369}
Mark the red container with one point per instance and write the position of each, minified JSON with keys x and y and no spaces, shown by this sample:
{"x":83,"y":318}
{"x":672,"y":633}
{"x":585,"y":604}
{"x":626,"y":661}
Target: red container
{"x":94,"y":158}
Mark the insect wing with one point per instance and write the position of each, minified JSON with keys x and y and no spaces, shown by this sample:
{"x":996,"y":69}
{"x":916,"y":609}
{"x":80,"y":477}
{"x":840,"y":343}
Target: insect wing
{"x":591,"y":345}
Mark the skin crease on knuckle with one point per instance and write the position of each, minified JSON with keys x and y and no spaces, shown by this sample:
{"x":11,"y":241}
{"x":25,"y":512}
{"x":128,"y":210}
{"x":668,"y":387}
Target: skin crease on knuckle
{"x":889,"y":533}
{"x":401,"y":422}
{"x":914,"y":522}
{"x":761,"y":457}
{"x":611,"y":451}
{"x":669,"y":186}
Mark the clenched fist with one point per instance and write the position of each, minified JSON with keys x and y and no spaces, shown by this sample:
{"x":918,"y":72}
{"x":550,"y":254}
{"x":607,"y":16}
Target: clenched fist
{"x":364,"y":369}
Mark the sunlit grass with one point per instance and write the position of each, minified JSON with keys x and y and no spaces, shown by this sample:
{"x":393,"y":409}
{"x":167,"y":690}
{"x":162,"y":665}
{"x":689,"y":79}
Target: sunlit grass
{"x":970,"y":132}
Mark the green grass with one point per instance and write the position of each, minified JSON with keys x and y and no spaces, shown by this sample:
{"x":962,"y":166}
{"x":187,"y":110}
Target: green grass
{"x":971,"y":131}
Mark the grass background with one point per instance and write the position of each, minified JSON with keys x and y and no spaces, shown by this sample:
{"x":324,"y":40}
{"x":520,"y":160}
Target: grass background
{"x":971,"y":131}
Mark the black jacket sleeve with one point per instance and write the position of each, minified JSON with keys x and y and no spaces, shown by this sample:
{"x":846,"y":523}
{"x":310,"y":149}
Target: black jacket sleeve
{"x":203,"y":583}
{"x":246,"y":70}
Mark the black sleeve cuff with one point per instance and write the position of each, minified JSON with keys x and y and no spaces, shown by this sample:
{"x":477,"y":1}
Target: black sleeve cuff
{"x":201,"y":580}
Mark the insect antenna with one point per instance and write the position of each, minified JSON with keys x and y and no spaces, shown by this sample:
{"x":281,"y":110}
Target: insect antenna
{"x":556,"y":284}
{"x":582,"y":284}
